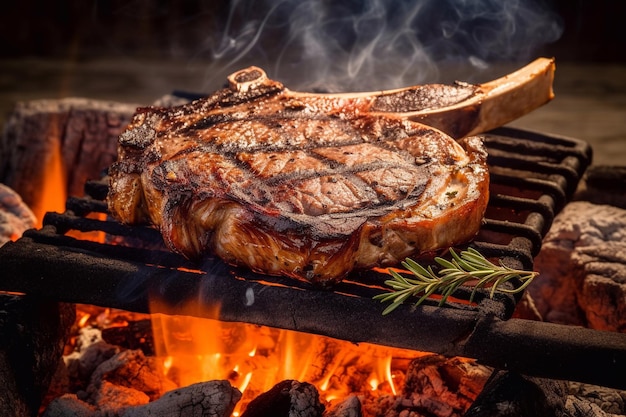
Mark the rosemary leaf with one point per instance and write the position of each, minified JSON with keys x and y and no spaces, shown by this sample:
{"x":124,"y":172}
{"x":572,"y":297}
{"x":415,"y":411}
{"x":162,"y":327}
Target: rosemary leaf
{"x":468,"y":266}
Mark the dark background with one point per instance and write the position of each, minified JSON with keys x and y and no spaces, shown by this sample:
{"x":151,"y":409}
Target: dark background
{"x":135,"y":51}
{"x":591,"y":30}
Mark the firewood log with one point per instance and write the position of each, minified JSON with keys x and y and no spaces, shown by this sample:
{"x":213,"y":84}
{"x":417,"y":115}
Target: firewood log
{"x":582,"y":268}
{"x":85,"y":131}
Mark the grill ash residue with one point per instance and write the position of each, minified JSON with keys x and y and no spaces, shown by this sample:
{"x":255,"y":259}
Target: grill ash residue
{"x":424,"y":97}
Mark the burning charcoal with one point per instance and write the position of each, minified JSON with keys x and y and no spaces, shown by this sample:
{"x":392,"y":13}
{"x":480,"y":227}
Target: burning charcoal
{"x":350,"y":407}
{"x":136,"y":335}
{"x":205,"y":399}
{"x":130,"y":368}
{"x":610,"y":401}
{"x":111,"y":397}
{"x":68,"y":406}
{"x":288,"y":398}
{"x":436,"y":385}
{"x":507,"y":394}
{"x":576,"y":407}
{"x":90,"y":352}
{"x":15,"y":216}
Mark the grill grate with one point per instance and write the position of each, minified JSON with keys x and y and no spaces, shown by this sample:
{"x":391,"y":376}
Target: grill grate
{"x":532,"y":177}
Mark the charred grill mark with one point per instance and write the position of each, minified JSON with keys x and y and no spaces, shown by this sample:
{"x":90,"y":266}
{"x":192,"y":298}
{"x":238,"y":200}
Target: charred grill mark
{"x":189,"y":150}
{"x":291,"y":135}
{"x":352,"y":172}
{"x":302,"y":222}
{"x":334,"y":170}
{"x":209,"y":121}
{"x":330,"y":140}
{"x":274,"y":121}
{"x":337,"y":170}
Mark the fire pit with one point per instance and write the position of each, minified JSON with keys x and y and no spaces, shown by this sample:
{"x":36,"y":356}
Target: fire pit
{"x":533,"y":176}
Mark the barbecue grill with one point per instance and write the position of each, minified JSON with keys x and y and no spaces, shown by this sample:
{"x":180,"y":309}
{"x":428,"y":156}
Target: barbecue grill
{"x":533,"y":176}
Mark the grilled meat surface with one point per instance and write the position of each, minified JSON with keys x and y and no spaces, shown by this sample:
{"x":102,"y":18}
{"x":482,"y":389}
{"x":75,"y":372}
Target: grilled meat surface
{"x":310,"y":187}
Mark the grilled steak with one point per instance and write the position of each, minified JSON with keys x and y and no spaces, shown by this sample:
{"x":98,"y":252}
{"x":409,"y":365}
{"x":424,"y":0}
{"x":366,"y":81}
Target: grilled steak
{"x":308,"y":186}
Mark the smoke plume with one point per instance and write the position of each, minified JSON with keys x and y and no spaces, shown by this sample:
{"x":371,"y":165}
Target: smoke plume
{"x":322,"y":45}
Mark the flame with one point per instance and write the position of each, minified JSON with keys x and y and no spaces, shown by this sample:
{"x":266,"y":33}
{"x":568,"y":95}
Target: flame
{"x":82,"y":322}
{"x":54,"y":193}
{"x":92,"y":235}
{"x":255,"y":358}
{"x":53,"y":190}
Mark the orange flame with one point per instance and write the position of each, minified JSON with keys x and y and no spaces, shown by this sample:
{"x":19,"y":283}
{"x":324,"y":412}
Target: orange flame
{"x":255,"y":358}
{"x":53,"y":190}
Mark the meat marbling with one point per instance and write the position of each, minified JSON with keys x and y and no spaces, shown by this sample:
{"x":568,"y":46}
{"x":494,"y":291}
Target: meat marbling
{"x":309,"y":186}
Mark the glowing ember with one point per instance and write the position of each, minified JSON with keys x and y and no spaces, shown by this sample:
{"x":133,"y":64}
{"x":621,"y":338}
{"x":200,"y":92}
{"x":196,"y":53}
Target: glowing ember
{"x":82,"y":321}
{"x":255,"y":358}
{"x":194,"y":353}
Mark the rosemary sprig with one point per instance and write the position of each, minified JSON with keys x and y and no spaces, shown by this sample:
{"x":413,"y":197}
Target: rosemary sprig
{"x":467,"y":266}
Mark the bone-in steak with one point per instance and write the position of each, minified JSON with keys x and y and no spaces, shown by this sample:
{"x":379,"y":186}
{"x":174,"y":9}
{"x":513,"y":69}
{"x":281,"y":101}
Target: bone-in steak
{"x":307,"y":186}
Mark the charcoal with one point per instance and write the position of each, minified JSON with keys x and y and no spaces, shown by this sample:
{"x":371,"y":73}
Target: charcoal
{"x":509,"y":394}
{"x":288,"y":398}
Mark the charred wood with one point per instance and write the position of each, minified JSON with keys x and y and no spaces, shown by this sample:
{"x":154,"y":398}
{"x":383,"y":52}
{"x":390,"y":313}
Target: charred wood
{"x":206,"y":399}
{"x":349,"y":407}
{"x":600,"y":401}
{"x":508,"y":394}
{"x":89,"y":353}
{"x":577,"y":408}
{"x":131,"y":369}
{"x":33,"y":334}
{"x":109,"y":381}
{"x":439,"y":386}
{"x":582,"y":268}
{"x":135,"y":335}
{"x":288,"y":398}
{"x":84,"y":131}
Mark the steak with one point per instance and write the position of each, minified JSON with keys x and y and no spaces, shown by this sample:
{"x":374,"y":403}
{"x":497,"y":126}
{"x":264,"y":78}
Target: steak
{"x":309,"y":186}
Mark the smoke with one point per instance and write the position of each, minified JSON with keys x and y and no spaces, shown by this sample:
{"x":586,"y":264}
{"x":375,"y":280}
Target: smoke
{"x":376,"y":44}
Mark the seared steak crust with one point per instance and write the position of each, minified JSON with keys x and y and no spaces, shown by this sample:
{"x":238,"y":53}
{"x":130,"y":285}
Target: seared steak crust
{"x":308,"y":187}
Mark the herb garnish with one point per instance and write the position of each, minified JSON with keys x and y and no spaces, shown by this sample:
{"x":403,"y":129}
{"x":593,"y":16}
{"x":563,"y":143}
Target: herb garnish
{"x":470,"y":265}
